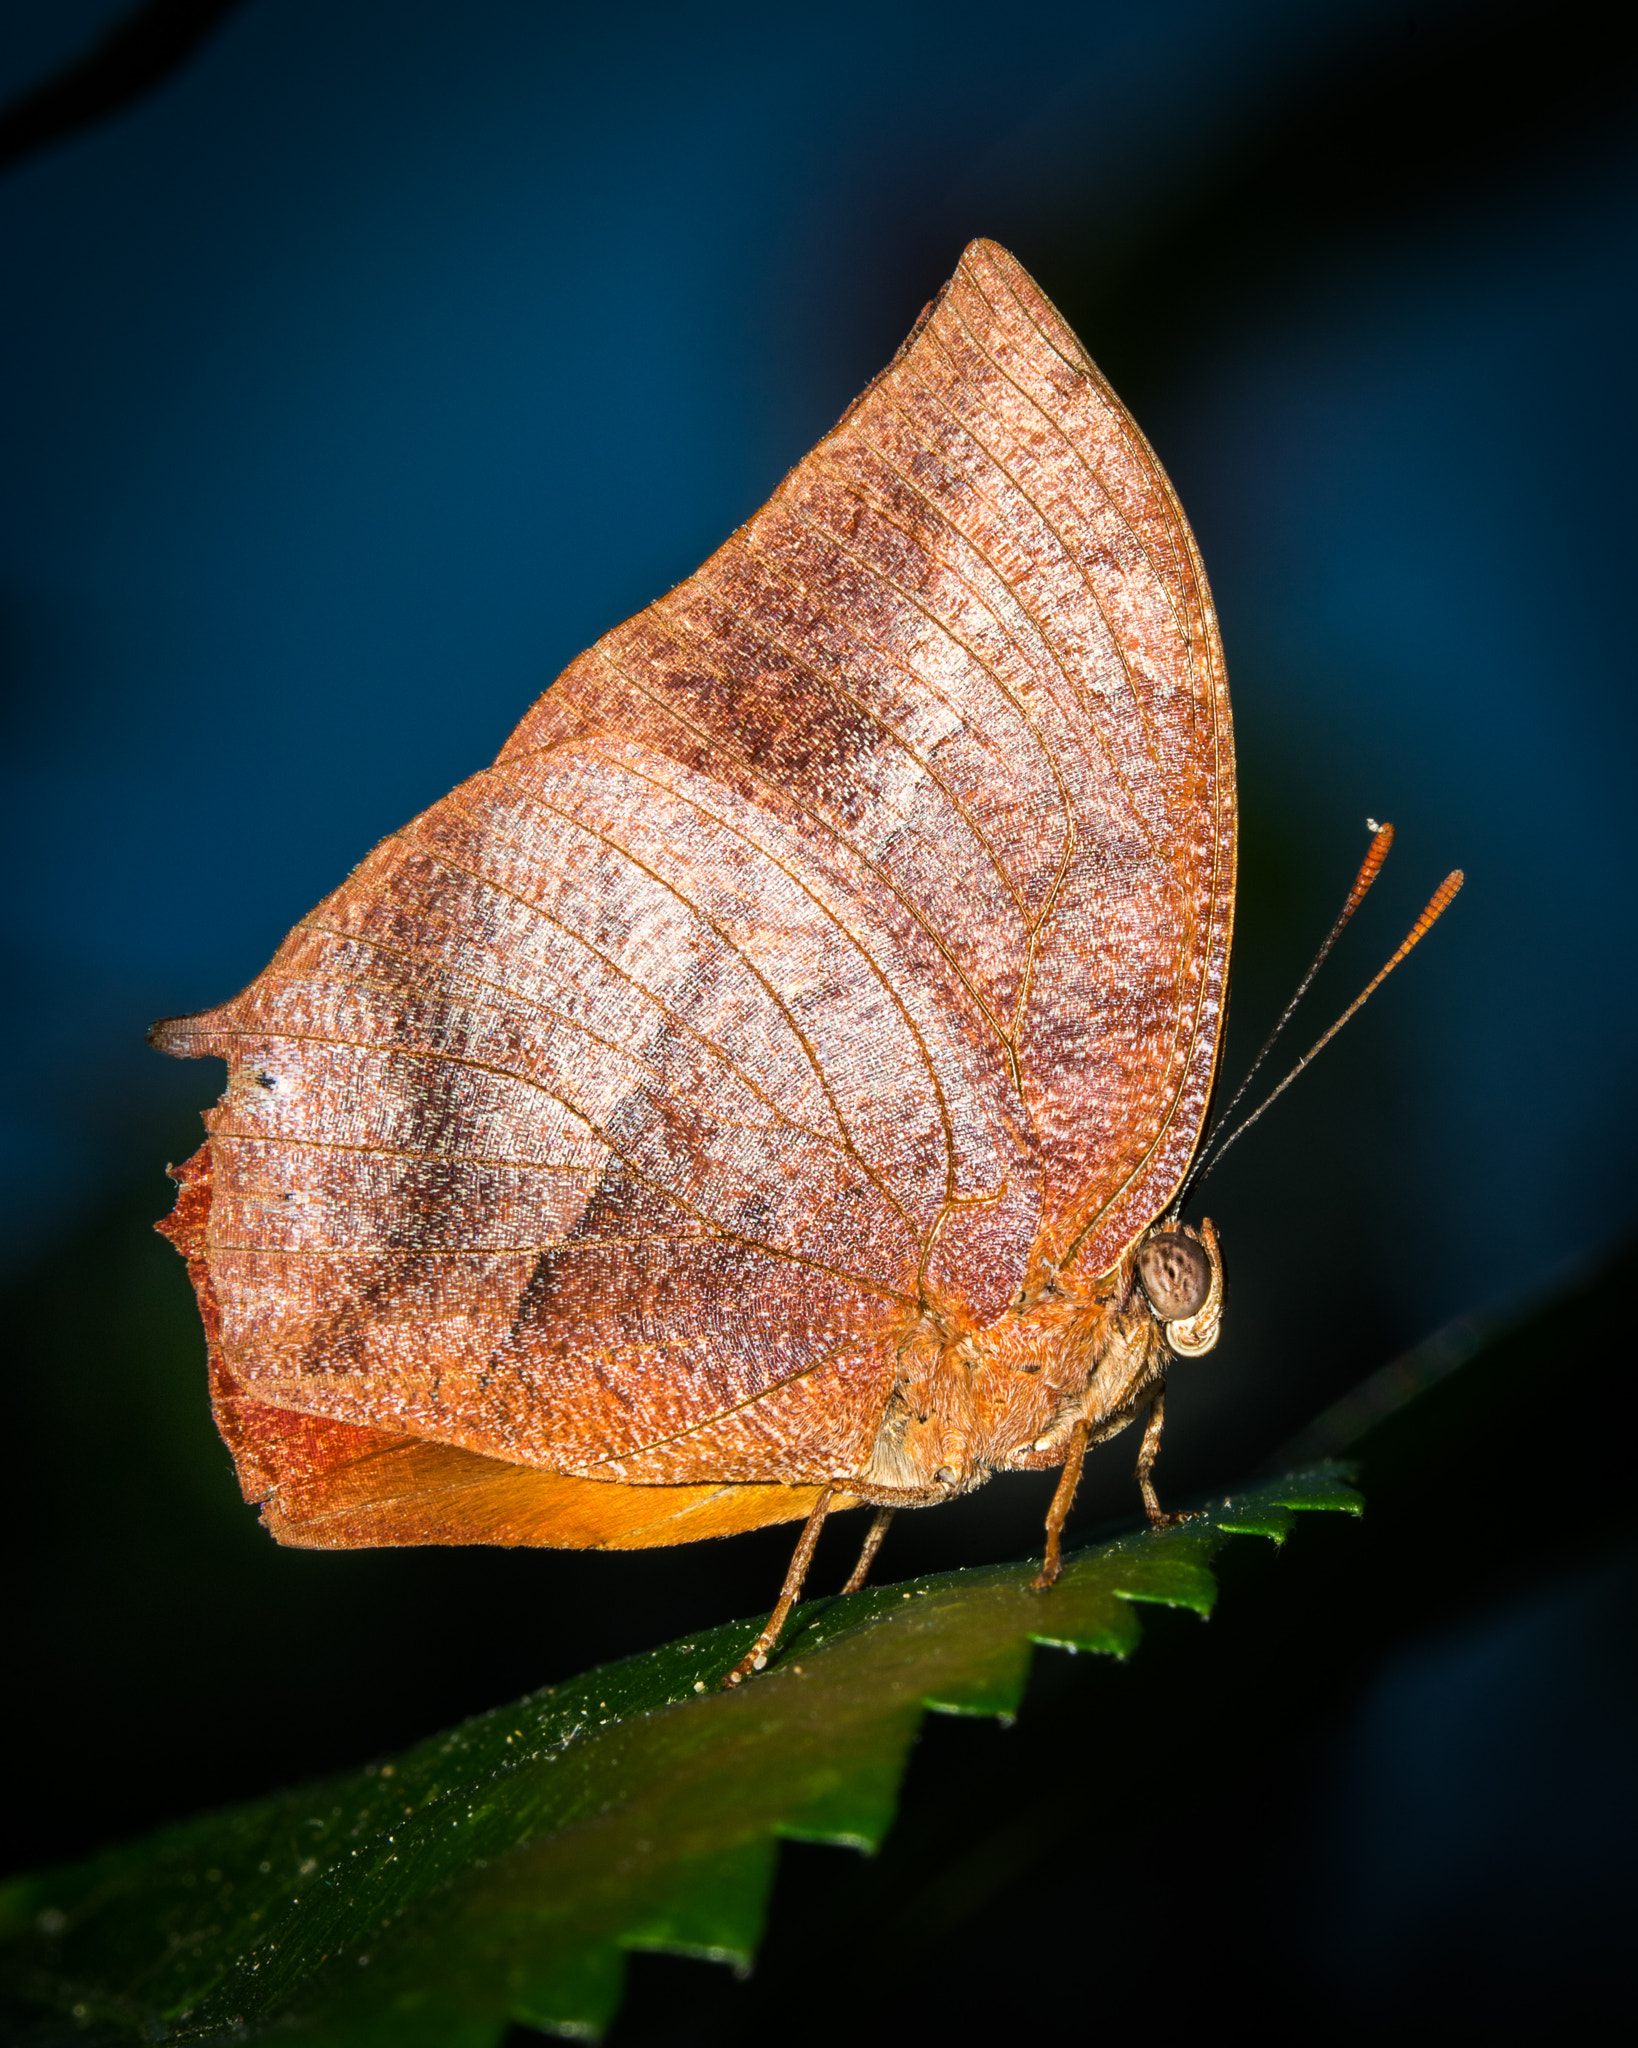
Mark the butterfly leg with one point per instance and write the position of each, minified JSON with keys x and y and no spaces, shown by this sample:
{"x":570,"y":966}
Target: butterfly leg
{"x":756,"y":1657}
{"x":1062,"y":1501}
{"x":872,"y":1543}
{"x":1148,"y":1451}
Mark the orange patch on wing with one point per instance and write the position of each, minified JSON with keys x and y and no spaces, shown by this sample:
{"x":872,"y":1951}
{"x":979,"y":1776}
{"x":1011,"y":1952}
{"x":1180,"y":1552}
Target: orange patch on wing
{"x":404,"y":1491}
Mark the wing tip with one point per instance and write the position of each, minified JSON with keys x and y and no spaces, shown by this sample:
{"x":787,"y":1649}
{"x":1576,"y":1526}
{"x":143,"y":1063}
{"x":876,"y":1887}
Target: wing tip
{"x":985,"y":261}
{"x":981,"y":250}
{"x":980,"y":254}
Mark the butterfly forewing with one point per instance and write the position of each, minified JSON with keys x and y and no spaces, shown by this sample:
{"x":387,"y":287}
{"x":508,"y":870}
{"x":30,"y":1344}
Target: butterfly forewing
{"x":847,"y":931}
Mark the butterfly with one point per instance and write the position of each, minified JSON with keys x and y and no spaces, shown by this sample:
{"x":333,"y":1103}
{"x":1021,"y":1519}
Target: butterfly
{"x":768,"y":1087}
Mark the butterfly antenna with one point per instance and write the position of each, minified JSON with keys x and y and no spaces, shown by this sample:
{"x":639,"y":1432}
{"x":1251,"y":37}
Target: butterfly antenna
{"x":1370,"y":868}
{"x":1438,"y":904}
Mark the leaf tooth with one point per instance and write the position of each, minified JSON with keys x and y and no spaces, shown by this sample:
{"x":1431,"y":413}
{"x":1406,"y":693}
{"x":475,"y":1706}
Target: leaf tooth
{"x":572,"y":1992}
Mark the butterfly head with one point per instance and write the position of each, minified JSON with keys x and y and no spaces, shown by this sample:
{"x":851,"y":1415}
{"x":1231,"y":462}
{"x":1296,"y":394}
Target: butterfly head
{"x":1180,"y":1274}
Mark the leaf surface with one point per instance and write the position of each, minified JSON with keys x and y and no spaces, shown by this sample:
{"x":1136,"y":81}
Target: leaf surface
{"x":500,"y":1872}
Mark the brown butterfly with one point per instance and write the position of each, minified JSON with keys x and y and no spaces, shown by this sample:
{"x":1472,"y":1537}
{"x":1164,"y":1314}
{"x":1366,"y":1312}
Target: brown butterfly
{"x":764,"y":1089}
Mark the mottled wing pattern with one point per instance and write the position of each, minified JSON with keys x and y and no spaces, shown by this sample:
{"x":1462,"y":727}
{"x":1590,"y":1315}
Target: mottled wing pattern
{"x":846,"y":930}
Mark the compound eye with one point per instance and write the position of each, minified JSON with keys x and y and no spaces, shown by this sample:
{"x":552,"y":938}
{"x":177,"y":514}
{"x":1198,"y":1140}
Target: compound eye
{"x":1176,"y":1275}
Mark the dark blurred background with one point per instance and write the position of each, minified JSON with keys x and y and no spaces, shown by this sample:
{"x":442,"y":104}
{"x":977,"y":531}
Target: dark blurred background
{"x":363,"y":363}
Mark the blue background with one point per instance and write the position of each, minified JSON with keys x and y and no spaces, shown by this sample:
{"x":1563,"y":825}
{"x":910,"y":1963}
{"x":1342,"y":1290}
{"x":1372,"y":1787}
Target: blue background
{"x":388,"y":355}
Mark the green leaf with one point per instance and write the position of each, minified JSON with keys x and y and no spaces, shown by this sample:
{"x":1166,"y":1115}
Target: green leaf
{"x":502,"y":1871}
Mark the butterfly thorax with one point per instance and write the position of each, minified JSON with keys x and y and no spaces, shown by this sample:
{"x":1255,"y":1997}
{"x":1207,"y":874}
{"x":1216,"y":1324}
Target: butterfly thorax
{"x":968,"y":1402}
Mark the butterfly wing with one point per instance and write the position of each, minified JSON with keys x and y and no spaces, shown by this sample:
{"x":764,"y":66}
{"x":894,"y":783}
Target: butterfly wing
{"x":843,"y":932}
